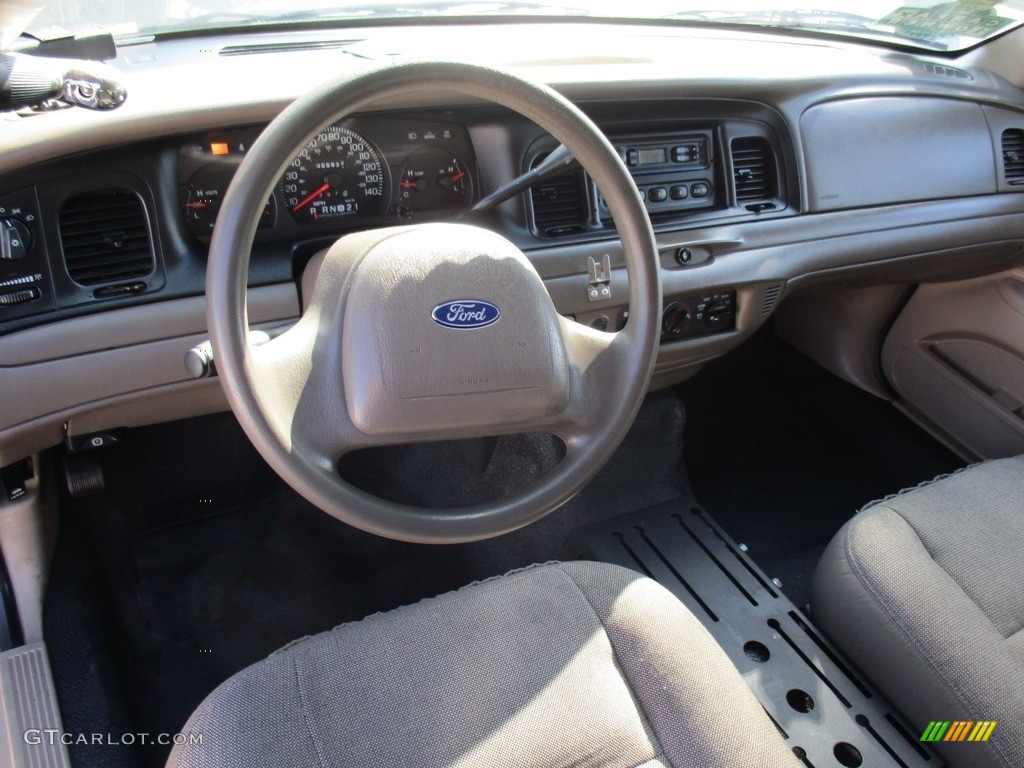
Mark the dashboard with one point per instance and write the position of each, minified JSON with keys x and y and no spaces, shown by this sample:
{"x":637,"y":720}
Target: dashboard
{"x":769,"y":165}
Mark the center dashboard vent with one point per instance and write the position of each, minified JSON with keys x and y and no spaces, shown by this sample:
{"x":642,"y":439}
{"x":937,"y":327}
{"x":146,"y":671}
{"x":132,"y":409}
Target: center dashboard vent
{"x":105,"y":237}
{"x":559,"y":204}
{"x":753,"y":168}
{"x":1013,"y":156}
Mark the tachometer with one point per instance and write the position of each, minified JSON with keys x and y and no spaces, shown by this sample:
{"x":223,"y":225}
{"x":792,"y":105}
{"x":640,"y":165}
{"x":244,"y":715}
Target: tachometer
{"x":338,"y":174}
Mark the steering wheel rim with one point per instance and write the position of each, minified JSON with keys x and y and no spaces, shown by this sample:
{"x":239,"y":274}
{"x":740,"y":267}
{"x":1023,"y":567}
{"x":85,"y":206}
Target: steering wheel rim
{"x":611,"y":372}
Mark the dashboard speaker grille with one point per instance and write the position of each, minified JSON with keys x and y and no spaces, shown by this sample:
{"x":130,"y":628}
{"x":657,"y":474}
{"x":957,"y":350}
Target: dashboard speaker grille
{"x":1013,"y":156}
{"x":560,"y":204}
{"x":753,"y":168}
{"x":105,"y":237}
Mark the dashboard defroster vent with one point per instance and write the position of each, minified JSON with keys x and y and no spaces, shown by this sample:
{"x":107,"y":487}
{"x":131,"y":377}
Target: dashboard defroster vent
{"x":105,"y":237}
{"x":1013,"y":156}
{"x":753,"y":168}
{"x":941,"y":70}
{"x":286,"y":47}
{"x":560,"y":204}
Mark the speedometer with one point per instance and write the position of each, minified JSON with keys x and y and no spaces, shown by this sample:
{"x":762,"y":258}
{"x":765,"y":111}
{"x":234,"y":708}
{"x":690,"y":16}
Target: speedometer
{"x":338,"y":174}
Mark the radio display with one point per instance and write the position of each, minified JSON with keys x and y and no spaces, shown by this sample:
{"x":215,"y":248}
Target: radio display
{"x":653,"y":156}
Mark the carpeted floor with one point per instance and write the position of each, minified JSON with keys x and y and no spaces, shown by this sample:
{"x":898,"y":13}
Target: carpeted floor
{"x":204,"y":562}
{"x":782,"y":453}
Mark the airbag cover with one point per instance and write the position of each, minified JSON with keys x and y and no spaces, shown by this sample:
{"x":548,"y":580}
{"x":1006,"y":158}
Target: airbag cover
{"x":449,"y":326}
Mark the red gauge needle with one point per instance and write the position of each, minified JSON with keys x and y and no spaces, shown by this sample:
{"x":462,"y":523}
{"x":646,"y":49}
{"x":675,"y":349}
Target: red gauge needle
{"x":458,"y":176}
{"x":311,"y":197}
{"x":195,"y":205}
{"x":407,"y":184}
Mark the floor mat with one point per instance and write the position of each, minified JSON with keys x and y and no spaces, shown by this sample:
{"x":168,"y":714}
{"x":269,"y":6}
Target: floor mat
{"x":782,"y":453}
{"x":203,"y":575}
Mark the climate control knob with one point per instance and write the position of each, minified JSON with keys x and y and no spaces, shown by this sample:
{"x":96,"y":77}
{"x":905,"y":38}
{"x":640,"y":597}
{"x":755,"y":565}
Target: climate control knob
{"x":719,"y":315}
{"x":675,"y":320}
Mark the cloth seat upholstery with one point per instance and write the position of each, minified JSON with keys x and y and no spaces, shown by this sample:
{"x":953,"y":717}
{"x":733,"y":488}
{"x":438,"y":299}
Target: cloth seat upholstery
{"x":565,"y":664}
{"x":925,"y":592}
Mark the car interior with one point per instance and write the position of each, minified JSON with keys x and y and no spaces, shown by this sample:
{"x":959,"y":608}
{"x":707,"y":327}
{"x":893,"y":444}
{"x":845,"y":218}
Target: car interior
{"x":511,"y":384}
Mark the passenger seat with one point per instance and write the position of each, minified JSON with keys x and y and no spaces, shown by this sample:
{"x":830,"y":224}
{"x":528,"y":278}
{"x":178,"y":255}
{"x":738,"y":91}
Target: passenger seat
{"x":924,"y":591}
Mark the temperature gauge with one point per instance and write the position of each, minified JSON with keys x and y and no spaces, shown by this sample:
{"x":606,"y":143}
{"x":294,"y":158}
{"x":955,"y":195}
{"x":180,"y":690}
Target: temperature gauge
{"x":433,"y":180}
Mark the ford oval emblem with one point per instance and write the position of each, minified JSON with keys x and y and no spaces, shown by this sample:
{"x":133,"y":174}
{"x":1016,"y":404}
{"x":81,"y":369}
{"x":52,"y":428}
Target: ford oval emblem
{"x":465,"y":314}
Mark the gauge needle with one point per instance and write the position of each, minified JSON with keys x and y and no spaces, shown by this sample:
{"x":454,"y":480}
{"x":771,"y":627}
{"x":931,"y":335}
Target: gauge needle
{"x":458,"y":176}
{"x":195,"y":205}
{"x":311,"y":197}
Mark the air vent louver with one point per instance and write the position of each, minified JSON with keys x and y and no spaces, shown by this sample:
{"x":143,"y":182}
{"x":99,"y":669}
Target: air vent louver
{"x":105,"y":237}
{"x":560,"y":204}
{"x":753,"y":169}
{"x":1013,"y":156}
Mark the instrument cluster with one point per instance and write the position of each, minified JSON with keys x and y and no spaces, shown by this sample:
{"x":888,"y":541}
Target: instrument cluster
{"x":356,"y":173}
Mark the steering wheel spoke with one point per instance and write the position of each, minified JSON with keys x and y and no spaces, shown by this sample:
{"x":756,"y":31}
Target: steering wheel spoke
{"x":595,"y":358}
{"x":288,"y":376}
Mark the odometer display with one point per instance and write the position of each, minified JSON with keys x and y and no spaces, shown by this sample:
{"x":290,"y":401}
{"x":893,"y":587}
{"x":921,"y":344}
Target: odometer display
{"x":338,"y":174}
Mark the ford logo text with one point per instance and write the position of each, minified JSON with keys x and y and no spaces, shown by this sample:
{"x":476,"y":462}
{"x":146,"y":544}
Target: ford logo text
{"x":465,"y":314}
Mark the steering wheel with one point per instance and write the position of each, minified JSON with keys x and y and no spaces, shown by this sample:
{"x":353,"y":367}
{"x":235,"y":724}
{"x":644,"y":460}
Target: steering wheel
{"x":430,"y":332}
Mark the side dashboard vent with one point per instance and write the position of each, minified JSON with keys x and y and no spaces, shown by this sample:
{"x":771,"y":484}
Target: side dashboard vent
{"x":753,"y":168}
{"x":1013,"y":156}
{"x":560,"y":204}
{"x":105,"y":237}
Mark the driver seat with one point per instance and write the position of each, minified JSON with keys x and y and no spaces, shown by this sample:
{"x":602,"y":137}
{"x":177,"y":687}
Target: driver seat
{"x":580,"y":663}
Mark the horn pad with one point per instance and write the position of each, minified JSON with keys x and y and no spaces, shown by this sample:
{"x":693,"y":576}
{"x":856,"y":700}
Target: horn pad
{"x":449,"y":327}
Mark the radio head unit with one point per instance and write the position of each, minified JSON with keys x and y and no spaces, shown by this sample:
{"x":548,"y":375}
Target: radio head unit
{"x":673,"y":172}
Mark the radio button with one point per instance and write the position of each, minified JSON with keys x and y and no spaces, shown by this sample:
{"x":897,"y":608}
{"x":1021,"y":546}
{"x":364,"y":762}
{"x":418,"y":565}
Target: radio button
{"x":700,"y":189}
{"x":657,"y":194}
{"x":679,"y":192}
{"x":632,"y":157}
{"x":684,"y":154}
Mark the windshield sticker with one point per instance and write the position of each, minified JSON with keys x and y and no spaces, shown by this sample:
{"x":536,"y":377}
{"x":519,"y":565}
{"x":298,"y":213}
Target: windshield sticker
{"x":974,"y":18}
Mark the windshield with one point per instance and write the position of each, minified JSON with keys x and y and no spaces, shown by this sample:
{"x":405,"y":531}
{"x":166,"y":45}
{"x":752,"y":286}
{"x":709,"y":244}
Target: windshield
{"x":937,"y":26}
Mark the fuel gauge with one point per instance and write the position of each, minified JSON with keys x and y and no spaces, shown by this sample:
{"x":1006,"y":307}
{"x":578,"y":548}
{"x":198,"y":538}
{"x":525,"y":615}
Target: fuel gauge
{"x":434,"y":180}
